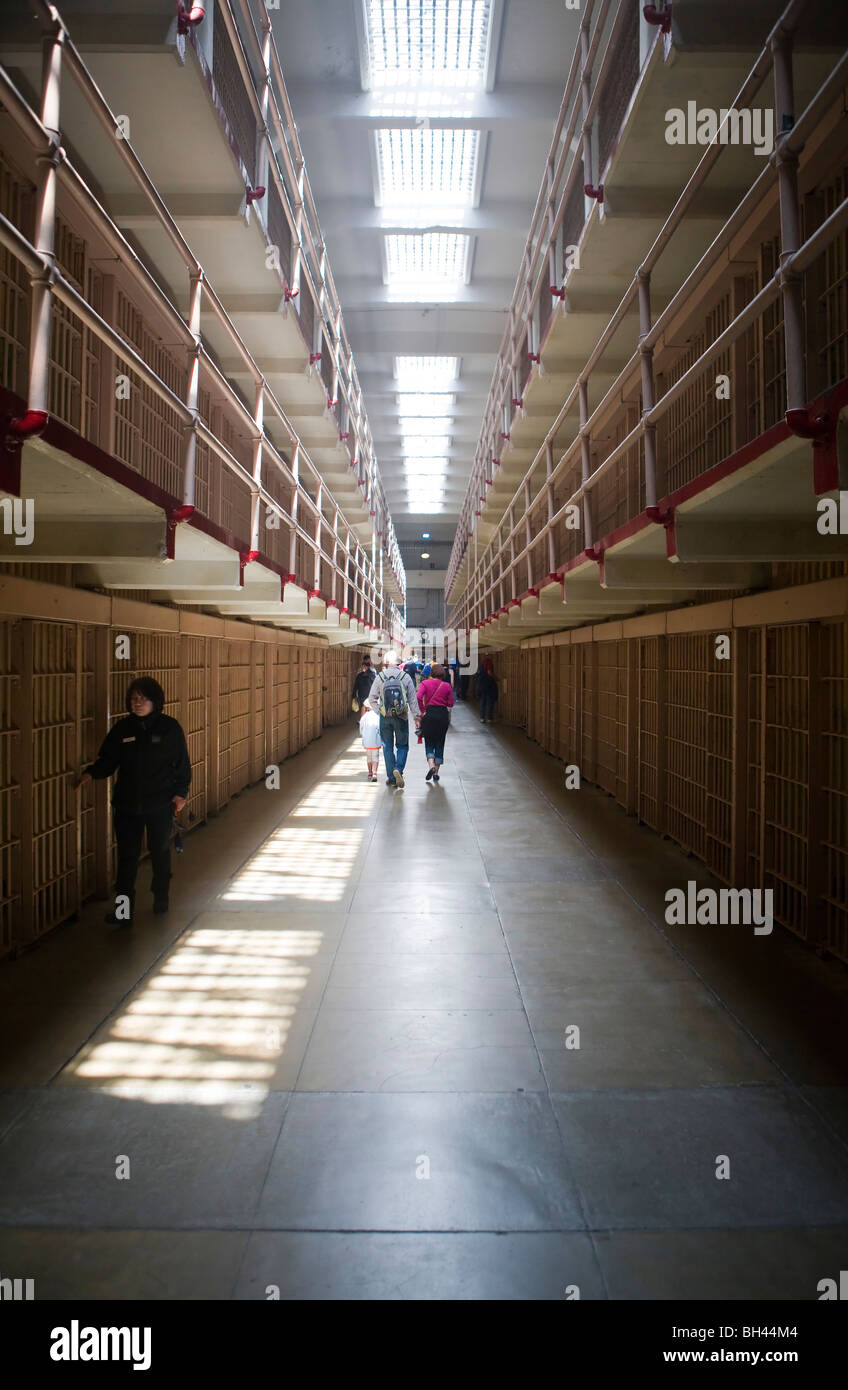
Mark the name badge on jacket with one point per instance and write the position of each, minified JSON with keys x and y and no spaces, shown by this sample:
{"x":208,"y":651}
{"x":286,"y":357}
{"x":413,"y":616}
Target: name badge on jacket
{"x":131,"y":739}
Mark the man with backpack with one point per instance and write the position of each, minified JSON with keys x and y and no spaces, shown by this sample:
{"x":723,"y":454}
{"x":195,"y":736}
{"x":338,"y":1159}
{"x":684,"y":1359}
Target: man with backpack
{"x":392,"y":696}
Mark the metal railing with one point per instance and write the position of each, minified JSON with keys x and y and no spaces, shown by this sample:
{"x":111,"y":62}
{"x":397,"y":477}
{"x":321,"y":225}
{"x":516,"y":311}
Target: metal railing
{"x":514,"y":534}
{"x":248,"y":26}
{"x":315,"y":525}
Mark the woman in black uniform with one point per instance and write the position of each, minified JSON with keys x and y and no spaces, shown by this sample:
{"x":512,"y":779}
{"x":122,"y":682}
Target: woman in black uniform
{"x":148,"y":751}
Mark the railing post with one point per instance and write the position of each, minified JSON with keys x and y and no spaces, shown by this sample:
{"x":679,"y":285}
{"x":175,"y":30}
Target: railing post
{"x":295,"y":468}
{"x":256,"y":500}
{"x":586,"y":465}
{"x":45,"y":225}
{"x":549,"y":468}
{"x":646,"y":361}
{"x":790,"y":225}
{"x":585,"y":81}
{"x":193,"y":388}
{"x":297,"y":256}
{"x":528,"y":537}
{"x":318,"y":518}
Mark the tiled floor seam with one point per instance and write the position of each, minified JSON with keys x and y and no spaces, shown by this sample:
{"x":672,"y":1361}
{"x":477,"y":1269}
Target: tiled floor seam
{"x":567,"y":1165}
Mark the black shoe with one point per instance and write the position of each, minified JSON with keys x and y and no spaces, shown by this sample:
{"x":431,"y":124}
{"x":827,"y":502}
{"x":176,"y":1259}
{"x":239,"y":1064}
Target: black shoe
{"x":431,"y":773}
{"x":435,"y":776}
{"x":160,"y":906}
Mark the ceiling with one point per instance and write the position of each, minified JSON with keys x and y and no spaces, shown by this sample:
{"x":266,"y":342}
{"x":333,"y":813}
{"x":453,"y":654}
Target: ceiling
{"x":325,"y":50}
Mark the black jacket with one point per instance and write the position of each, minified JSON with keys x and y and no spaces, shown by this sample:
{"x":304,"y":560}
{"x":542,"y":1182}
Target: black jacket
{"x":151,"y":759}
{"x":362,"y":685}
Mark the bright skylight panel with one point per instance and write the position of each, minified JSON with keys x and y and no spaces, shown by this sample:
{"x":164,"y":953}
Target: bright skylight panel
{"x":424,"y":467}
{"x":425,"y":403}
{"x":419,"y":424}
{"x":427,"y":268}
{"x":427,"y":55}
{"x":425,"y":373}
{"x":426,"y":176}
{"x":434,"y":444}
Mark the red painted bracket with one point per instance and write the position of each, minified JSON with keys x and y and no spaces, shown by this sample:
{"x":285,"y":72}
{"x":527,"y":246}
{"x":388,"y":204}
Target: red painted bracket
{"x":313,"y":358}
{"x":660,"y":17}
{"x":821,"y":429}
{"x":592,"y":192}
{"x":254,"y":194}
{"x":518,"y":403}
{"x":558,"y":293}
{"x":289,"y":294}
{"x":189,"y":19}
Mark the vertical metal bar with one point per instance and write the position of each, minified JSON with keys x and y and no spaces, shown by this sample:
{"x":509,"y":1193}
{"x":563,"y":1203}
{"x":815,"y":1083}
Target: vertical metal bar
{"x":646,"y":362}
{"x":45,"y":223}
{"x":213,"y":726}
{"x":295,"y":468}
{"x":586,"y":464}
{"x":102,"y":710}
{"x":739,"y":769}
{"x":256,"y":500}
{"x":193,"y":388}
{"x":549,"y":468}
{"x":25,"y":639}
{"x":790,"y":224}
{"x":817,"y":766}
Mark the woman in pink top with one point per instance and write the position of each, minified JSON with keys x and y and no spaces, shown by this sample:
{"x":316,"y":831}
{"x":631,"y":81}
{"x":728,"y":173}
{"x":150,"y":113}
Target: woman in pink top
{"x":435,"y":698}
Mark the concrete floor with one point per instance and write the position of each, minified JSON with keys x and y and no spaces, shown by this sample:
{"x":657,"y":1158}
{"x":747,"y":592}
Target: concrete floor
{"x":339,"y":1067}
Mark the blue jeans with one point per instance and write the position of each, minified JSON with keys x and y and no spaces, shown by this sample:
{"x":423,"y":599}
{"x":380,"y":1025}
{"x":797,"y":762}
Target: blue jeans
{"x":394,"y":730}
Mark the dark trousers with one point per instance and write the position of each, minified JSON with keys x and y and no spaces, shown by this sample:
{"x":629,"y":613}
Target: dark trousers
{"x":434,"y":727}
{"x":488,"y":698}
{"x":129,"y":830}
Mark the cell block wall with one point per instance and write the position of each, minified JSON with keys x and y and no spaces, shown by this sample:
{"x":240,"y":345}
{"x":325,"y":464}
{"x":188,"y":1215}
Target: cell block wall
{"x":732,"y":744}
{"x":242,"y":704}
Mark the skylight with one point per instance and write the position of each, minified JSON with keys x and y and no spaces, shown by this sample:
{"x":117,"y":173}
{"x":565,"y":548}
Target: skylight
{"x":420,"y":444}
{"x":425,"y":373}
{"x":426,"y":176}
{"x":428,"y":267}
{"x":425,"y":403}
{"x":419,"y":467}
{"x":428,"y":55}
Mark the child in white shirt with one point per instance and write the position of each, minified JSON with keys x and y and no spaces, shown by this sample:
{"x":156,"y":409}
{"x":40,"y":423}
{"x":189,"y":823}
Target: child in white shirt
{"x":369,"y":726}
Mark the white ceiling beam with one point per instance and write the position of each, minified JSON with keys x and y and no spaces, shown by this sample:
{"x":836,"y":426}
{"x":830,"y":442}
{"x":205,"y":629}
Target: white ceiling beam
{"x":514,"y":103}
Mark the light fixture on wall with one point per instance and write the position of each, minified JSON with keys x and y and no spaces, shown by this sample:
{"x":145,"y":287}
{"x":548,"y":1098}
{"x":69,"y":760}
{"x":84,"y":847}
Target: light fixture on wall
{"x":425,"y":555}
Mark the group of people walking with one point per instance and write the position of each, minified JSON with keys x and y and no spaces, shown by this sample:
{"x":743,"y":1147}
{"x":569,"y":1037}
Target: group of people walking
{"x":386,"y":698}
{"x":147,"y":749}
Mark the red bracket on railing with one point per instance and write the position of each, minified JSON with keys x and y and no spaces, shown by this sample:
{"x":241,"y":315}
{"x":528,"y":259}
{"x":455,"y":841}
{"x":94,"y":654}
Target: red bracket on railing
{"x":592,"y":192}
{"x":517,"y":403}
{"x":343,"y":438}
{"x":504,"y":436}
{"x":289,"y":294}
{"x":189,"y":19}
{"x":27,"y":426}
{"x":821,"y":429}
{"x":497,"y":464}
{"x":660,"y":17}
{"x":177,"y":514}
{"x":246,"y":557}
{"x":345,"y":610}
{"x":313,"y":593}
{"x":331,"y":405}
{"x":661,"y":516}
{"x":313,"y":358}
{"x":254,"y":194}
{"x":558,"y":293}
{"x":290,"y":579}
{"x":534,"y":357}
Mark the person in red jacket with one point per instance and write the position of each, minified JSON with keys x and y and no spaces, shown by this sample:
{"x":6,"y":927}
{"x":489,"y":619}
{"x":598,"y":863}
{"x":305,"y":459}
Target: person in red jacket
{"x":435,"y":698}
